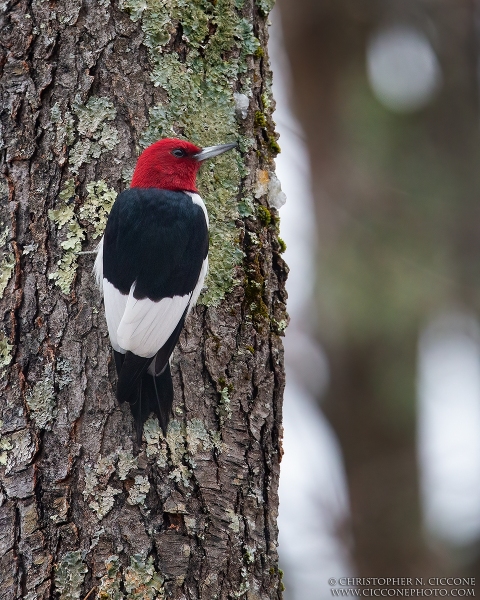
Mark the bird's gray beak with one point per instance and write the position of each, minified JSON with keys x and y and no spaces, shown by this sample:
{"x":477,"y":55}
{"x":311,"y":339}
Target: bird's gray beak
{"x":212,"y":151}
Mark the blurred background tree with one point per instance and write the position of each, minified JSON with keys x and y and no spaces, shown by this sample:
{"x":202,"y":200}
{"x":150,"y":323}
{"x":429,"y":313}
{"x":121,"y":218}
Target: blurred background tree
{"x":387,"y":93}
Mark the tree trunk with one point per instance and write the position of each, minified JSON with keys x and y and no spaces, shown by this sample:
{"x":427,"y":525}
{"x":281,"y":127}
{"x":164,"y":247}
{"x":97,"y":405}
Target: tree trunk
{"x":84,"y":510}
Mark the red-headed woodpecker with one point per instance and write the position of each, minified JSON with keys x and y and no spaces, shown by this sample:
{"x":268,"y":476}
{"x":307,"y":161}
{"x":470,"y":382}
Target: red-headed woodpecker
{"x":151,"y":265}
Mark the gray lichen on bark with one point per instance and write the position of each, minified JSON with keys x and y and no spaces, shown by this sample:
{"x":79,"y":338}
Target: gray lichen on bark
{"x":192,"y":515}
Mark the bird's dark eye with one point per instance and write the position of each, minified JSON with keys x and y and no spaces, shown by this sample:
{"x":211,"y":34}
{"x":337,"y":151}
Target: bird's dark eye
{"x":178,"y":152}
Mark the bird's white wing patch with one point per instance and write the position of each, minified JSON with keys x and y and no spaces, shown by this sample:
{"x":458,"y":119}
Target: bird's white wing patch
{"x":199,"y":286}
{"x":147,"y":325}
{"x":115,"y":304}
{"x":98,"y":265}
{"x":197,"y":199}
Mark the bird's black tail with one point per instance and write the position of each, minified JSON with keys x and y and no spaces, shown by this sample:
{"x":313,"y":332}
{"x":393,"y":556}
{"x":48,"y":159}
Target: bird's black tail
{"x":155,"y":394}
{"x":145,"y":393}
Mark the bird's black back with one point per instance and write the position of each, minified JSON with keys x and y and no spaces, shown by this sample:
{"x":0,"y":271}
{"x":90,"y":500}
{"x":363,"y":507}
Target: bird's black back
{"x":157,"y":238}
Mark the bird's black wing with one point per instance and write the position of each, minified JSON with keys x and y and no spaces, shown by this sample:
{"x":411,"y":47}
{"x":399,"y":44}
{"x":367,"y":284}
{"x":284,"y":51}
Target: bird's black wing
{"x":156,"y":238}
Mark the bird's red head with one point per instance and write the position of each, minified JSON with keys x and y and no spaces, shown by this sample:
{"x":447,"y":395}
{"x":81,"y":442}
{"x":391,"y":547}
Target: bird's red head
{"x":168,"y":164}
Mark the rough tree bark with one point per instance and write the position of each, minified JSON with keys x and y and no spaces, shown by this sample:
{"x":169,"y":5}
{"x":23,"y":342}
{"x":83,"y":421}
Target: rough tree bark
{"x":85,"y":85}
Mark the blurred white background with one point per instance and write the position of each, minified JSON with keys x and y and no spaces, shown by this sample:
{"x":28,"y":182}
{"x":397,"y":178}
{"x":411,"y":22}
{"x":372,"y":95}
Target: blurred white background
{"x":313,"y":521}
{"x":316,"y":540}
